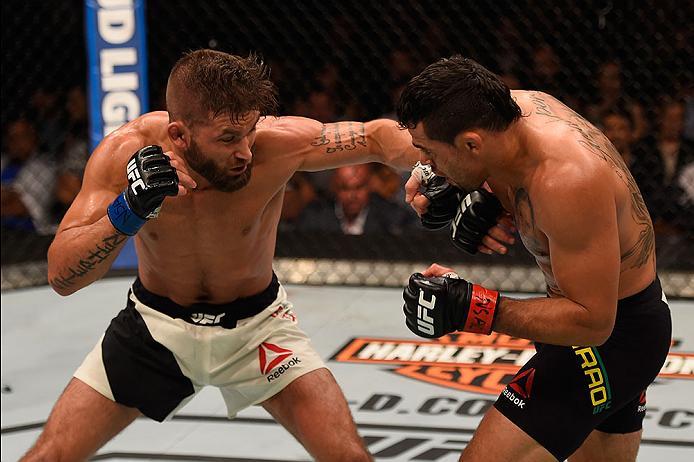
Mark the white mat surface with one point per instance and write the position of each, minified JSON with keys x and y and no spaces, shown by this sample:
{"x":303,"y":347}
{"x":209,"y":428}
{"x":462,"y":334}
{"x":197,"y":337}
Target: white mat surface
{"x":403,"y":418}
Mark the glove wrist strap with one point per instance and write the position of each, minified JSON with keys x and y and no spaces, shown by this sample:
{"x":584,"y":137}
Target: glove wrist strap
{"x":483,"y":303}
{"x":123,"y":218}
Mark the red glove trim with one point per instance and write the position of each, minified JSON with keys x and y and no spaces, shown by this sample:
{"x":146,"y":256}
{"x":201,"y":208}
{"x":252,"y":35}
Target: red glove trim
{"x":480,"y":317}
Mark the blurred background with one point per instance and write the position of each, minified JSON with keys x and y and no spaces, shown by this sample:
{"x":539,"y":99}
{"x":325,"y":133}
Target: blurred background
{"x":627,"y":66}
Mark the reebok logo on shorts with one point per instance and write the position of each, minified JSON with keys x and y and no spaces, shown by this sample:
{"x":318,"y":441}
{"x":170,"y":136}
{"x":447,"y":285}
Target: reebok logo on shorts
{"x":520,"y":388}
{"x":270,"y":355}
{"x":513,"y":398}
{"x":523,"y":383}
{"x":642,"y":402}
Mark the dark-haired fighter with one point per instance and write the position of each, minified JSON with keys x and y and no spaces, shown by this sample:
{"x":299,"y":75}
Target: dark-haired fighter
{"x":206,"y":308}
{"x":604,"y":331}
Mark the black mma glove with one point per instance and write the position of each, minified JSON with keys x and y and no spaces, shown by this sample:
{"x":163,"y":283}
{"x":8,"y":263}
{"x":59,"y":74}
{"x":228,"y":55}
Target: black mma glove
{"x":437,"y":306}
{"x":443,"y":203}
{"x":150,"y":178}
{"x":443,"y":198}
{"x":477,"y":213}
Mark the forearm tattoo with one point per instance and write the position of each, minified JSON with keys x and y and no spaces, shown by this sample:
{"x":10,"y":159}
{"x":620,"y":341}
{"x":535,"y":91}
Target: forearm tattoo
{"x":594,"y":141}
{"x":91,"y":260}
{"x":341,"y":136}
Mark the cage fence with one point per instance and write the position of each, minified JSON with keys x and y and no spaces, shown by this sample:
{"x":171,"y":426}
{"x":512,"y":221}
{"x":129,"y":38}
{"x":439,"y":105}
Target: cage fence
{"x":338,"y":60}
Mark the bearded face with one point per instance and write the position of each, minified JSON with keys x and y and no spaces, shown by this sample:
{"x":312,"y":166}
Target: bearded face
{"x":221,"y":178}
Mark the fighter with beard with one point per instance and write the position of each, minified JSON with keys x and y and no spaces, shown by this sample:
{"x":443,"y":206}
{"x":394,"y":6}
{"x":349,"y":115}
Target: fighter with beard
{"x":200,"y":188}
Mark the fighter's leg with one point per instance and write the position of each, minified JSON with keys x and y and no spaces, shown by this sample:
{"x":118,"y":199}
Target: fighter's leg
{"x":81,"y":421}
{"x":499,"y":439}
{"x":314,"y":410}
{"x":608,"y":447}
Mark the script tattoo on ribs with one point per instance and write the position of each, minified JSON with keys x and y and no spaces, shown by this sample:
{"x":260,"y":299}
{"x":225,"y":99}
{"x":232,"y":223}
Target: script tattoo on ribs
{"x":341,"y":136}
{"x":90,"y":261}
{"x":594,"y":141}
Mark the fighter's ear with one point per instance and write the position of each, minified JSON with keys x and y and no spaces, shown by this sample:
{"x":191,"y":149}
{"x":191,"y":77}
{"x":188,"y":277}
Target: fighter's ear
{"x":468,"y":141}
{"x":179,"y":134}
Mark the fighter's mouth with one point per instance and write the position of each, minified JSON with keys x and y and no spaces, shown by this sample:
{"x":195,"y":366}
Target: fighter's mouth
{"x":239,"y":170}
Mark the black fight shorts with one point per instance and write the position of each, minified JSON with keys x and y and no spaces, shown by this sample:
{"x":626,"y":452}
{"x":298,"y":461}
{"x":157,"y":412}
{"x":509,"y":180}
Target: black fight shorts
{"x":564,"y":393}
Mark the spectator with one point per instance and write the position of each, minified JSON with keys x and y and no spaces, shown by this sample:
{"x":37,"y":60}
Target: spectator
{"x":401,"y":65}
{"x":509,"y":53}
{"x":618,"y":127}
{"x":390,"y":185}
{"x":664,"y":156}
{"x":319,"y":105}
{"x":689,"y":112}
{"x":685,"y":219}
{"x":395,"y":92}
{"x":355,"y":209}
{"x":677,"y":247}
{"x":28,"y":179}
{"x":511,"y":81}
{"x":610,"y":94}
{"x":546,"y":69}
{"x":298,"y":193}
{"x":328,"y":77}
{"x":387,"y":183}
{"x":75,"y":151}
{"x":47,"y":115}
{"x":547,"y":75}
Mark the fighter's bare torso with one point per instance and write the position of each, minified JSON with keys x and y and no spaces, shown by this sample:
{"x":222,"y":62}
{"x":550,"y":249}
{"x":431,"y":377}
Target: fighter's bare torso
{"x":212,"y":246}
{"x":207,"y":245}
{"x":565,"y":145}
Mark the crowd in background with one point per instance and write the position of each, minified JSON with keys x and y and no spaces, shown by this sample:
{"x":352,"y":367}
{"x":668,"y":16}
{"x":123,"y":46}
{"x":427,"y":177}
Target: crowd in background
{"x":44,"y":151}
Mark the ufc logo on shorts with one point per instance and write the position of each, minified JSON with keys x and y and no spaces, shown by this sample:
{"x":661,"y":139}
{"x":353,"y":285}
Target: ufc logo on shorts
{"x":206,"y":319}
{"x":425,"y":323}
{"x":134,"y":176}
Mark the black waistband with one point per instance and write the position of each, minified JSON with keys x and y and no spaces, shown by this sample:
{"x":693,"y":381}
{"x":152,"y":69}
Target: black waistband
{"x":653,"y":292}
{"x":208,"y":314}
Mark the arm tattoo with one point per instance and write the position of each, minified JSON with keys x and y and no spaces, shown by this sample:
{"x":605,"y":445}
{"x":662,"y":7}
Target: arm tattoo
{"x":91,"y":260}
{"x":596,"y":142}
{"x":341,"y":136}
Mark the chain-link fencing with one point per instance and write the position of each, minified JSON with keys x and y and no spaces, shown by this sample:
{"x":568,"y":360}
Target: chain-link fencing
{"x":626,"y":66}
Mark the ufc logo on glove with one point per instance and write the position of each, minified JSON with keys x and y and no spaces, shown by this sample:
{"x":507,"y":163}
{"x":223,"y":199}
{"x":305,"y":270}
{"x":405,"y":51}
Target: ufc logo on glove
{"x":134,"y":176}
{"x":425,"y":323}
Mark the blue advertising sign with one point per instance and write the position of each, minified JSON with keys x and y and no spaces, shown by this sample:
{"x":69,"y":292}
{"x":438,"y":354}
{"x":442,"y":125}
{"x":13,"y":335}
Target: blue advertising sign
{"x":117,"y":74}
{"x":117,"y":56}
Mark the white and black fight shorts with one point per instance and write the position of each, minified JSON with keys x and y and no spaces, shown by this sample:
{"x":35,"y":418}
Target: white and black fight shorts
{"x":156,"y":355}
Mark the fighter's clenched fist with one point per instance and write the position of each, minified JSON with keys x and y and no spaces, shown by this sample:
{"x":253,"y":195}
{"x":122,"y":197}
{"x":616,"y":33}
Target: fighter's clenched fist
{"x":479,"y":221}
{"x":150,"y":179}
{"x":438,"y":302}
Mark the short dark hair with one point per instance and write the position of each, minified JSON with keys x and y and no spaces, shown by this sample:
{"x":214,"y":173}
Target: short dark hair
{"x":215,"y":82}
{"x":456,"y":94}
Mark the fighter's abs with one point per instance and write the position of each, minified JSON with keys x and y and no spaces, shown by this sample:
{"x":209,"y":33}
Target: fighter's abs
{"x":214,"y":255}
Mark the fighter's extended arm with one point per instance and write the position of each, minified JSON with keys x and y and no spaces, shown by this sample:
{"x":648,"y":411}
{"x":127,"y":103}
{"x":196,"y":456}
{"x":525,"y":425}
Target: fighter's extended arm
{"x":324,"y":146}
{"x":120,"y":192}
{"x":316,"y":146}
{"x":581,"y":225}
